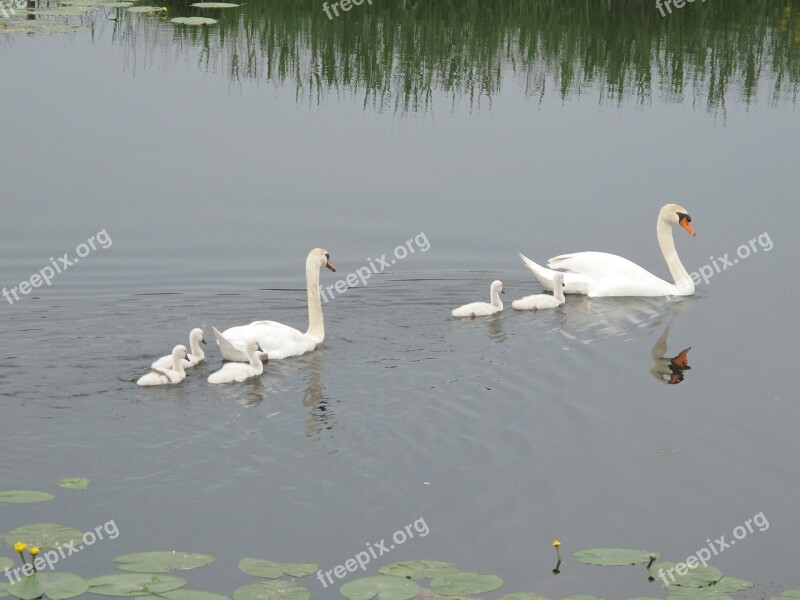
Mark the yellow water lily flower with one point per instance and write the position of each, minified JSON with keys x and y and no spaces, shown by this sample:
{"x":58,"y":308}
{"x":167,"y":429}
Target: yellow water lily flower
{"x":34,"y":550}
{"x":556,"y":543}
{"x":20,"y":546}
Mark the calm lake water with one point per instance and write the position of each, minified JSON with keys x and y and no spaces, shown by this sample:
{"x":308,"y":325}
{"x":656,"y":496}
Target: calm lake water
{"x":213,"y":159}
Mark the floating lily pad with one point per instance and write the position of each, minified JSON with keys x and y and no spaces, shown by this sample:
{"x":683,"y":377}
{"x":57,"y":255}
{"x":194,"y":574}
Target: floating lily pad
{"x":214,"y":5}
{"x":258,"y":567}
{"x":44,"y":535}
{"x":732,"y":584}
{"x":524,"y":596}
{"x":272,"y":590}
{"x":134,"y":584}
{"x":74,"y":483}
{"x":144,"y":9}
{"x":24,"y":496}
{"x":465,"y":583}
{"x":699,"y":577}
{"x":193,"y":21}
{"x":185,"y":594}
{"x":420,"y":569}
{"x":117,"y":4}
{"x":643,"y":598}
{"x":687,"y":593}
{"x":162,"y":562}
{"x":5,"y":563}
{"x":382,"y":587}
{"x":56,"y":586}
{"x":614,"y":557}
{"x":580,"y":597}
{"x":41,"y":26}
{"x":788,"y":595}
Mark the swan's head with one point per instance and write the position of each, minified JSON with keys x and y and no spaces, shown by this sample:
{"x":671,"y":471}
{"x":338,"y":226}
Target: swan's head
{"x":497,"y":287}
{"x":196,"y":335}
{"x":675,"y":214}
{"x":320,"y":256}
{"x":179,"y":351}
{"x":558,"y":279}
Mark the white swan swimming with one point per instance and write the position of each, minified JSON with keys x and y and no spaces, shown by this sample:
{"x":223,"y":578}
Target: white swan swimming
{"x":479,"y":309}
{"x":600,"y":274}
{"x":175,"y":374}
{"x":196,"y":356}
{"x":540,"y":301}
{"x":236,"y":372}
{"x":276,"y":339}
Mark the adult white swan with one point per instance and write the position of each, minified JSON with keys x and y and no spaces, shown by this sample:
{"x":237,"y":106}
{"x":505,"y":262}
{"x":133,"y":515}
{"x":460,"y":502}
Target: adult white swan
{"x":276,"y":339}
{"x":600,"y":274}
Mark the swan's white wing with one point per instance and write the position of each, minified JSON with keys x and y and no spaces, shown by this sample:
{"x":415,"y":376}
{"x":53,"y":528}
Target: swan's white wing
{"x":233,"y":372}
{"x":612,"y":275}
{"x":574,"y":283}
{"x":276,"y":339}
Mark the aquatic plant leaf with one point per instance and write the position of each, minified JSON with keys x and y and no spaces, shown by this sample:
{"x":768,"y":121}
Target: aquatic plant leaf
{"x":116,"y":4}
{"x":382,"y":587}
{"x":580,"y":597}
{"x":465,"y":583}
{"x":788,"y":595}
{"x":732,"y":584}
{"x":420,"y":569}
{"x":699,"y":577}
{"x":644,"y":598}
{"x":214,"y":5}
{"x":687,"y":593}
{"x":191,"y":595}
{"x":193,"y":21}
{"x":74,"y":483}
{"x":41,"y":26}
{"x":258,"y":567}
{"x":144,"y":9}
{"x":56,"y":586}
{"x":272,"y":590}
{"x":523,"y":596}
{"x":134,"y":584}
{"x":24,"y":496}
{"x":44,"y":535}
{"x":614,"y":557}
{"x":5,"y":563}
{"x":162,"y":562}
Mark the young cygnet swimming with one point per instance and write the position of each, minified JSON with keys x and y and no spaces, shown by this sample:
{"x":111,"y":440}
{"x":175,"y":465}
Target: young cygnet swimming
{"x":236,"y":372}
{"x":174,"y":374}
{"x":195,"y":357}
{"x":479,"y":309}
{"x":540,"y":301}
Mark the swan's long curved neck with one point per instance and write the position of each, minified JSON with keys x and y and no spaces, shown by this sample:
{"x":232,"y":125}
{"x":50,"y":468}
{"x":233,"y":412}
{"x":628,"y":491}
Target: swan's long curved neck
{"x":495,"y":299}
{"x":558,"y":291}
{"x":316,"y":327}
{"x":254,"y":359}
{"x":197,"y":351}
{"x":177,"y":364}
{"x":679,"y":274}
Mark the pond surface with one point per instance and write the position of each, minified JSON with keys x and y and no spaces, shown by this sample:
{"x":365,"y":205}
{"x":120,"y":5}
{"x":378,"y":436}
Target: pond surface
{"x":206,"y":162}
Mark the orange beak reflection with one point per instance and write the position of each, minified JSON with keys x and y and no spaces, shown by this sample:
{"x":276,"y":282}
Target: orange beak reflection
{"x":684,"y":222}
{"x":330,"y":266}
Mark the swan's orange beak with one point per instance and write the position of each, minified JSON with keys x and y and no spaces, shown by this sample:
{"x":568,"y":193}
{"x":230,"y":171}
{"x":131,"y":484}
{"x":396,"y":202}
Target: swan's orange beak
{"x":330,"y":266}
{"x":684,"y":222}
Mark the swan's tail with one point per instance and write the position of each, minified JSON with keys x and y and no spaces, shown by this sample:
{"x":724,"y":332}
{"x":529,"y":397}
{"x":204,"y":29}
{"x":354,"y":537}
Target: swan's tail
{"x":229,"y":351}
{"x":543,"y":274}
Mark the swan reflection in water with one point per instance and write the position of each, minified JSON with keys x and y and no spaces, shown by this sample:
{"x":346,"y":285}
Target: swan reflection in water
{"x":669,"y":370}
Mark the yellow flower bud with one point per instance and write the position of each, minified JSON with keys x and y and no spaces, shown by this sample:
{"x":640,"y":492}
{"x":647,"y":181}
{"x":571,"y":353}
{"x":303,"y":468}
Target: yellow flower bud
{"x":34,"y":550}
{"x":20,"y":546}
{"x":556,"y":543}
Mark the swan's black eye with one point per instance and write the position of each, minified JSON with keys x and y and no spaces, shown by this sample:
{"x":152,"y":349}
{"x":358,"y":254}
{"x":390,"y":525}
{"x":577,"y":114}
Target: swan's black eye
{"x":684,"y":216}
{"x":328,"y":256}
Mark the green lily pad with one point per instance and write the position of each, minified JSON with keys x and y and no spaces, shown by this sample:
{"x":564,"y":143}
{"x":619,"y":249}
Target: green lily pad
{"x":272,"y":590}
{"x":144,"y":9}
{"x":465,"y":583}
{"x":40,"y":26}
{"x":580,"y":597}
{"x":117,"y":4}
{"x":185,"y":594}
{"x":699,"y":577}
{"x":193,"y":21}
{"x":382,"y":587}
{"x":420,"y":569}
{"x":74,"y":483}
{"x":134,"y":584}
{"x":5,"y":563}
{"x":732,"y":584}
{"x":24,"y":496}
{"x":687,"y":593}
{"x":258,"y":567}
{"x":524,"y":596}
{"x":44,"y":535}
{"x":214,"y":5}
{"x":645,"y":598}
{"x":56,"y":586}
{"x":788,"y":595}
{"x":614,"y":557}
{"x":162,"y":562}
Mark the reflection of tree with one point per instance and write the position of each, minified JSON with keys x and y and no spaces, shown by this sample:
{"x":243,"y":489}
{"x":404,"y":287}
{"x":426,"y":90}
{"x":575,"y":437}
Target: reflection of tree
{"x":394,"y":55}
